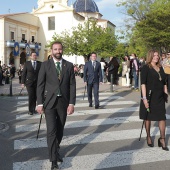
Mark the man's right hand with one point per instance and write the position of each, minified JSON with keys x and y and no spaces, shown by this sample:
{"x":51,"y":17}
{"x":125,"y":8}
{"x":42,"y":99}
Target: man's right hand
{"x":40,"y":109}
{"x":85,"y":83}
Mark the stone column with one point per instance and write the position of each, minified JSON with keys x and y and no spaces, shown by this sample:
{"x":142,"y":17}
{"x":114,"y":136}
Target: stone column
{"x":45,"y":55}
{"x":17,"y":62}
{"x":7,"y":55}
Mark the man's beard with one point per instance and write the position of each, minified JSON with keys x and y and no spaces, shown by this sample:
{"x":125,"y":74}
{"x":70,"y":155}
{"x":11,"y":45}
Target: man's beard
{"x":57,"y":56}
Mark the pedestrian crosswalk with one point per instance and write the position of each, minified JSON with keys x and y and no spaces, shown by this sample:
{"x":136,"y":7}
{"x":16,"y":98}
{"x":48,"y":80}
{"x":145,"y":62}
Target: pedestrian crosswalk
{"x":93,"y":139}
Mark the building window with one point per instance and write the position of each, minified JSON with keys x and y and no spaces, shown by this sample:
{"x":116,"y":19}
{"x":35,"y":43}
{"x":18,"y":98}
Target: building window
{"x":51,"y":23}
{"x":12,"y":36}
{"x":32,"y":40}
{"x":23,"y":37}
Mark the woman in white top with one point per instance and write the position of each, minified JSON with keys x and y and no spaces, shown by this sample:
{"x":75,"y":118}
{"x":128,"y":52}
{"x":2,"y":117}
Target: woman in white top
{"x":102,"y":62}
{"x":126,"y":70}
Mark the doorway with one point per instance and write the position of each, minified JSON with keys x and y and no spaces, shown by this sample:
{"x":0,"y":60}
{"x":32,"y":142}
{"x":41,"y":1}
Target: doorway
{"x":11,"y":58}
{"x":22,"y":58}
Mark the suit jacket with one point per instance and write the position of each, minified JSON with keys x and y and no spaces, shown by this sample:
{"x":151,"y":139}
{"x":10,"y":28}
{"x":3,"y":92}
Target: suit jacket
{"x":48,"y":84}
{"x":92,"y":75}
{"x":29,"y":75}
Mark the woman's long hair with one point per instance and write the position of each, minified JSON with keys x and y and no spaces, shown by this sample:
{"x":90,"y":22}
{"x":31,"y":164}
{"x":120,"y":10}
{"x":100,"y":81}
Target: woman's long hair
{"x":150,"y":56}
{"x":114,"y":62}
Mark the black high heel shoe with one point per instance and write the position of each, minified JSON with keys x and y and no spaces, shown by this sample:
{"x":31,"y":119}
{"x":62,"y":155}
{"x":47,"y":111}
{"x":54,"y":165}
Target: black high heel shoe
{"x":149,"y":144}
{"x":160,"y":144}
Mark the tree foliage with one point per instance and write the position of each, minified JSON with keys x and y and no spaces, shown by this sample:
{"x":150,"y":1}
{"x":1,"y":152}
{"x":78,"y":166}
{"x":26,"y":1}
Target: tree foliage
{"x":155,"y":29}
{"x":86,"y":38}
{"x":136,"y":9}
{"x":150,"y":26}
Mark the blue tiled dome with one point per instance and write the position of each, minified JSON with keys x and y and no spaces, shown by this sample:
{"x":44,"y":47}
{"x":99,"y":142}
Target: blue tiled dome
{"x":85,"y":6}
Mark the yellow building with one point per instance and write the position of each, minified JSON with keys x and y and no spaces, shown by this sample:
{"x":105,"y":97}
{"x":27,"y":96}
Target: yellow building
{"x":22,"y":32}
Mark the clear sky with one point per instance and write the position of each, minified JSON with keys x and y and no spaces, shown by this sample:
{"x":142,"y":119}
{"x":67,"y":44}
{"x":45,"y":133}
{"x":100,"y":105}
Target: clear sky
{"x":107,"y":8}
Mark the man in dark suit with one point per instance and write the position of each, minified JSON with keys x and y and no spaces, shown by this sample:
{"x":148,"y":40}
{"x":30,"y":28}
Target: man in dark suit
{"x":57,"y":81}
{"x":92,"y":78}
{"x":29,"y":79}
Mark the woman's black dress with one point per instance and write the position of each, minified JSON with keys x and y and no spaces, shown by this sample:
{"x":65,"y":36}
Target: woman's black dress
{"x":150,"y":78}
{"x":114,"y":71}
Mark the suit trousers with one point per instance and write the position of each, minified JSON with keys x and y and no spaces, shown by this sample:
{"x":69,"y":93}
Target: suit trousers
{"x":95,"y":87}
{"x":32,"y":97}
{"x":135,"y":76}
{"x":55,"y":121}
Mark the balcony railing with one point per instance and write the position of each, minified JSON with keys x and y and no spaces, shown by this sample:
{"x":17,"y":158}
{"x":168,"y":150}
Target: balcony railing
{"x":22,"y":44}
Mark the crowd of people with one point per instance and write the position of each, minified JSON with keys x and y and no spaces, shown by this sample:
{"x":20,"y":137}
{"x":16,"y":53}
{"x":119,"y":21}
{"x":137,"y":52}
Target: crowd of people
{"x":128,"y":67}
{"x":7,"y":71}
{"x":51,"y":87}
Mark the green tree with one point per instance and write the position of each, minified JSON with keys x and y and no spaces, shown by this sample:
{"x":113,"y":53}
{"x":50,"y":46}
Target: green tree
{"x":150,"y":24}
{"x":88,"y":37}
{"x":155,"y":29}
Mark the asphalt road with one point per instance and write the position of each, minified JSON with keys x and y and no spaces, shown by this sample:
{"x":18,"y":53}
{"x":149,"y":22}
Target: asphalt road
{"x":106,"y":138}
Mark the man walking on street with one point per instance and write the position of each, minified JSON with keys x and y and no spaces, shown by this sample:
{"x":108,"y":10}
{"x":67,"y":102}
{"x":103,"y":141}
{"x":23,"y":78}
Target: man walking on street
{"x":92,"y":78}
{"x":29,"y":79}
{"x":57,"y":80}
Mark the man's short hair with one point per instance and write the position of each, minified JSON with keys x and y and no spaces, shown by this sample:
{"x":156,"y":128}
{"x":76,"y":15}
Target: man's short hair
{"x":93,"y":53}
{"x":56,"y":42}
{"x":32,"y":52}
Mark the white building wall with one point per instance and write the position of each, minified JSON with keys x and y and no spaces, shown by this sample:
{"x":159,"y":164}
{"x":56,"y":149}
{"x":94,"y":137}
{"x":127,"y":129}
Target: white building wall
{"x":2,"y":56}
{"x":45,"y":35}
{"x":36,"y":24}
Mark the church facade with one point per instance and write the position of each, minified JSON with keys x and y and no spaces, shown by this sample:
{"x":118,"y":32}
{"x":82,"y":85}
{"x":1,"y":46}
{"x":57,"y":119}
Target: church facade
{"x":22,"y":32}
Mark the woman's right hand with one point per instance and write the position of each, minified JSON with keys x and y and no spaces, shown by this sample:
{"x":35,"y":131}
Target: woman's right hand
{"x":146,"y":103}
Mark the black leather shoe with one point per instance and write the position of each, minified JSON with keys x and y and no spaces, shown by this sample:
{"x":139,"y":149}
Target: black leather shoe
{"x":97,"y":107}
{"x":59,"y":158}
{"x":54,"y":165}
{"x":90,"y":105}
{"x":30,"y":113}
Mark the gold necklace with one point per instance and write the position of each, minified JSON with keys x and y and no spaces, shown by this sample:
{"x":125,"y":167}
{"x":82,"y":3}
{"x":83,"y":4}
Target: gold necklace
{"x":157,"y":69}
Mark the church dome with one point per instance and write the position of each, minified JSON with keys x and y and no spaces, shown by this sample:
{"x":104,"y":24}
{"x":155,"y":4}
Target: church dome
{"x":85,"y":6}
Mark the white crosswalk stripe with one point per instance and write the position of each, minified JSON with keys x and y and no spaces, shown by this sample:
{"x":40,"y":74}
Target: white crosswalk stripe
{"x":100,"y":161}
{"x":86,"y":112}
{"x":87,"y":138}
{"x":82,"y":123}
{"x":80,"y":98}
{"x":83,"y":138}
{"x":93,"y":119}
{"x":107,"y":102}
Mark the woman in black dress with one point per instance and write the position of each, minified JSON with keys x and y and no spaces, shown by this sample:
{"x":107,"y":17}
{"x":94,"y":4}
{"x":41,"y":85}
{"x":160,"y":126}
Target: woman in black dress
{"x":153,"y":78}
{"x":113,"y":67}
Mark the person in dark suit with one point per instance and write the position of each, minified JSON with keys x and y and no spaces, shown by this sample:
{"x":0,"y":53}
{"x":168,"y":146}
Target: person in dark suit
{"x":92,"y":78}
{"x":29,"y":79}
{"x":57,"y":81}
